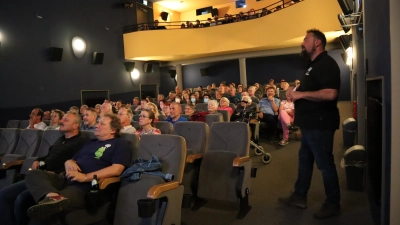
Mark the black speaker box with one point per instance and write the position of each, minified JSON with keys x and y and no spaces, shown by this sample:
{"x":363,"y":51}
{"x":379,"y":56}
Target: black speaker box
{"x":129,"y":66}
{"x":98,"y":58}
{"x":172,"y":73}
{"x":214,"y":12}
{"x":55,"y":54}
{"x":164,"y":16}
{"x":148,"y":68}
{"x":203,"y":72}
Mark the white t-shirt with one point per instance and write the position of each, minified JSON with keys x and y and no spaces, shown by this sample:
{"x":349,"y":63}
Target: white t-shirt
{"x":39,"y":126}
{"x":128,"y":129}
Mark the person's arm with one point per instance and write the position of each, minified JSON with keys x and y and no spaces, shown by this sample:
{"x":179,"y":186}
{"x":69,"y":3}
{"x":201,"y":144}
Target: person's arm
{"x":273,"y":104}
{"x":316,"y":96}
{"x":111,"y":171}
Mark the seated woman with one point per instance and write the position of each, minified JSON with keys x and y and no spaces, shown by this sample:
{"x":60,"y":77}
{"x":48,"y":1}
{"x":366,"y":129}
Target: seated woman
{"x":146,"y":122}
{"x":189,"y":109}
{"x":224,"y":105}
{"x":55,"y":118}
{"x":286,"y":116}
{"x":164,"y":108}
{"x":245,"y":110}
{"x":212,"y":106}
{"x":185,"y":98}
{"x":151,"y":106}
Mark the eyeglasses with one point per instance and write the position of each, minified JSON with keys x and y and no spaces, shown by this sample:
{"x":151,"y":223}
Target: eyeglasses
{"x":143,"y":116}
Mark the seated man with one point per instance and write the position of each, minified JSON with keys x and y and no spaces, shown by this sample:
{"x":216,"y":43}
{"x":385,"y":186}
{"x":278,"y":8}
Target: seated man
{"x":269,"y":107}
{"x":252,"y":91}
{"x":142,"y":105}
{"x":46,"y":115}
{"x":16,"y":199}
{"x":35,"y":120}
{"x":126,"y":115}
{"x":107,"y":156}
{"x":175,"y":113}
{"x":244,"y":109}
{"x":89,"y":119}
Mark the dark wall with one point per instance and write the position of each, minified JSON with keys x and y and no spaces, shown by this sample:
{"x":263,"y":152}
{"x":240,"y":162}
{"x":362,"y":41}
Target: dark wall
{"x":260,"y":70}
{"x":29,"y":79}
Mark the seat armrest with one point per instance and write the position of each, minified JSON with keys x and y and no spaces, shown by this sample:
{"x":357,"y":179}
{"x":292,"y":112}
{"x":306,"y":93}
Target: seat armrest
{"x":237,"y":162}
{"x":8,"y":165}
{"x":103,"y":183}
{"x":156,"y":190}
{"x":193,"y":157}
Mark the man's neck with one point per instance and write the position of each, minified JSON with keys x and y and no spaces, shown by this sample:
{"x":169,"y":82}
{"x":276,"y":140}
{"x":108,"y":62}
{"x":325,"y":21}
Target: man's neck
{"x":126,"y":124}
{"x":91,"y":124}
{"x":175,"y":118}
{"x":316,"y":54}
{"x":105,"y":138}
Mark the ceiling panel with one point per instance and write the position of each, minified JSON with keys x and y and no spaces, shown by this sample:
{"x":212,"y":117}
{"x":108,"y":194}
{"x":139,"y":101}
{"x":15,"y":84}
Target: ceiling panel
{"x":189,"y":5}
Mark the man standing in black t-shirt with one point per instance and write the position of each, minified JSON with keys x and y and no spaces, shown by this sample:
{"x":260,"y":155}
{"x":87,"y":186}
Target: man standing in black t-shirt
{"x":16,"y":199}
{"x":318,"y":117}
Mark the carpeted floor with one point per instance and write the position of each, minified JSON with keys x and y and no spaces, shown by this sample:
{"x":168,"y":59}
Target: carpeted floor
{"x":277,"y":179}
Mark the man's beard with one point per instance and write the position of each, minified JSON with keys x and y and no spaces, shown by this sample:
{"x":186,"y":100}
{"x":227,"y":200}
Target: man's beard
{"x":306,"y":54}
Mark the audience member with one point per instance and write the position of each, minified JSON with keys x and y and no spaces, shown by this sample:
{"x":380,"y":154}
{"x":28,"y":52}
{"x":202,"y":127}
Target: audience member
{"x":82,"y":109}
{"x":146,"y":122}
{"x":56,"y":116}
{"x":35,"y":120}
{"x":166,"y":109}
{"x":285,"y":86}
{"x":178,"y":91}
{"x":296,"y":83}
{"x":156,"y":27}
{"x":233,"y":96}
{"x":171,"y":96}
{"x":198,"y":97}
{"x":16,"y":199}
{"x":175,"y":113}
{"x":213,"y":106}
{"x":118,"y":105}
{"x":208,"y":23}
{"x":224,"y":105}
{"x":244,"y":109}
{"x":151,"y":106}
{"x":125,"y":115}
{"x":136,"y":101}
{"x":269,"y":107}
{"x":142,"y":105}
{"x":206,"y":98}
{"x":189,"y":109}
{"x":252,"y":91}
{"x":89,"y":119}
{"x":218,"y":96}
{"x":46,"y":115}
{"x":183,"y":26}
{"x":185,"y":98}
{"x":286,"y":116}
{"x":106,"y":108}
{"x":271,"y":84}
{"x":197,"y":25}
{"x":74,"y":109}
{"x":110,"y":155}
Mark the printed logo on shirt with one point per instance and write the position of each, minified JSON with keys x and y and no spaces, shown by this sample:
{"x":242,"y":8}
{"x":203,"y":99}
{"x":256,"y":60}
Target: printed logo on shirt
{"x":99,"y":152}
{"x":308,"y":71}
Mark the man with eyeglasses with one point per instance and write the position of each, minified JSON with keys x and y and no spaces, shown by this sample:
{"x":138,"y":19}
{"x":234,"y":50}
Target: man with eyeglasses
{"x":89,"y":119}
{"x":126,"y":115}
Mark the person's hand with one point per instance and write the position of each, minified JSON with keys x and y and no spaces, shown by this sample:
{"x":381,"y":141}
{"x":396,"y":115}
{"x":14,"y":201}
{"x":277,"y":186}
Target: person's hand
{"x":71,"y":165}
{"x":271,"y":98}
{"x":35,"y":165}
{"x":76,"y":176}
{"x":32,"y":122}
{"x":260,"y":115}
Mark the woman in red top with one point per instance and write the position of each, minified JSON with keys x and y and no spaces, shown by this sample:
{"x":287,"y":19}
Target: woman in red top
{"x":224,"y":105}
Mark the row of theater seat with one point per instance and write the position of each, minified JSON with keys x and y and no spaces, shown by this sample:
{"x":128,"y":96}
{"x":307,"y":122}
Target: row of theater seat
{"x":23,"y":124}
{"x":207,"y":164}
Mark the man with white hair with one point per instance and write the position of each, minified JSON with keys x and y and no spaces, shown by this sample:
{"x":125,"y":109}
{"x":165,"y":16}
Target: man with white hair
{"x":252,"y":91}
{"x":126,"y":115}
{"x":243,"y":110}
{"x":213,"y":106}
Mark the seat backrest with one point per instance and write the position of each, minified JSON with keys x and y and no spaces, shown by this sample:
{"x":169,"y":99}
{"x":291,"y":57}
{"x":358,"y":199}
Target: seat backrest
{"x":24,"y":124}
{"x":233,"y":106}
{"x":212,"y":118}
{"x":183,"y":108}
{"x":201,"y":107}
{"x":13,"y":124}
{"x":49,"y":137}
{"x":162,"y":117}
{"x":225,"y":115}
{"x":195,"y":133}
{"x":9,"y":140}
{"x":28,"y":143}
{"x":169,"y":149}
{"x":282,"y":95}
{"x":164,"y":126}
{"x":88,"y":135}
{"x":136,"y":117}
{"x":134,"y":140}
{"x":133,"y":107}
{"x":230,"y":136}
{"x":135,"y":124}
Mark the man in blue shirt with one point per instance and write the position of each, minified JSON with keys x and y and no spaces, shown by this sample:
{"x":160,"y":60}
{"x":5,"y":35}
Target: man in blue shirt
{"x":89,"y":119}
{"x":269,"y":107}
{"x":175,"y":113}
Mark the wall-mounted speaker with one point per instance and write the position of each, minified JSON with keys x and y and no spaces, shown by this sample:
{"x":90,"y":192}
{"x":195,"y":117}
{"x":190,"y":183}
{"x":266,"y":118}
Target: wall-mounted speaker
{"x":214,"y":12}
{"x":129,"y":66}
{"x":98,"y":58}
{"x":164,"y":16}
{"x":148,"y":67}
{"x":172,"y":73}
{"x":55,"y":54}
{"x":203,"y":72}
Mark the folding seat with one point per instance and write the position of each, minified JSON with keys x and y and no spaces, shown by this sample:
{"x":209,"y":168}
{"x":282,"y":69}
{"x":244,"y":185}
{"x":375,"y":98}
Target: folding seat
{"x":49,"y":137}
{"x":135,"y":124}
{"x":225,"y":115}
{"x":164,"y":126}
{"x":28,"y":144}
{"x":24,"y":124}
{"x":163,"y":198}
{"x":88,"y":134}
{"x":201,"y":107}
{"x":183,"y":107}
{"x":110,"y":188}
{"x":13,"y":123}
{"x":196,"y":136}
{"x":212,"y":118}
{"x":161,"y":117}
{"x":9,"y":140}
{"x":226,"y":166}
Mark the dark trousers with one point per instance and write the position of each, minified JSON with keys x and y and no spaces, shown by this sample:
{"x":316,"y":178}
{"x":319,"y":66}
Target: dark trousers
{"x":317,"y":145}
{"x":40,"y":183}
{"x":15,"y":200}
{"x":272,"y":124}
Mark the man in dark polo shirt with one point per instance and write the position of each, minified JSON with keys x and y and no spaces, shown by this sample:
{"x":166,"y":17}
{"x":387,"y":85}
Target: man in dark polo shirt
{"x":107,"y":156}
{"x":318,"y":117}
{"x":16,"y":199}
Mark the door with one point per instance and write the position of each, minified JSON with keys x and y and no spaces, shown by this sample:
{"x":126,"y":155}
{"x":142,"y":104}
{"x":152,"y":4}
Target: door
{"x":148,"y":90}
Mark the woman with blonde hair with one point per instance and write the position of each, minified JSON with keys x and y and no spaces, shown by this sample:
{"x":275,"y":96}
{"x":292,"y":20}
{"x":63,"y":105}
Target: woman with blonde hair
{"x":224,"y":105}
{"x":151,"y":106}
